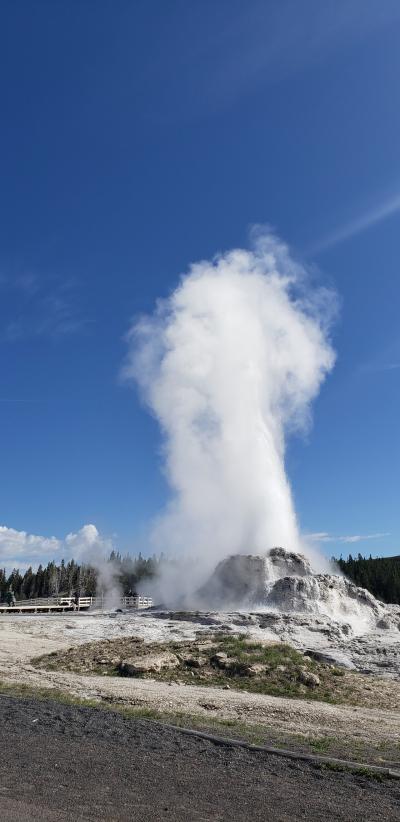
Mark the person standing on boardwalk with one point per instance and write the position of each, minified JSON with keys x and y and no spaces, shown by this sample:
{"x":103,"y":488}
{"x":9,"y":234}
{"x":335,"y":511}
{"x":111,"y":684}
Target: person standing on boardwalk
{"x":10,"y":598}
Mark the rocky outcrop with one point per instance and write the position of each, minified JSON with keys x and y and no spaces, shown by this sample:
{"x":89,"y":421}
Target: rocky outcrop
{"x":245,"y":580}
{"x":294,"y":594}
{"x":239,"y":579}
{"x":148,"y":664}
{"x":287,"y":563}
{"x":283,"y":581}
{"x":325,"y":593}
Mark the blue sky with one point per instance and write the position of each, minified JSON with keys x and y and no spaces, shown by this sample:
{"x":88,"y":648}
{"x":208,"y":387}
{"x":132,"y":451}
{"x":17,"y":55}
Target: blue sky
{"x":138,"y":137}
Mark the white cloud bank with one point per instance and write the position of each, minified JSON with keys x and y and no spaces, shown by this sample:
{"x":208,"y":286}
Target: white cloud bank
{"x":18,"y":549}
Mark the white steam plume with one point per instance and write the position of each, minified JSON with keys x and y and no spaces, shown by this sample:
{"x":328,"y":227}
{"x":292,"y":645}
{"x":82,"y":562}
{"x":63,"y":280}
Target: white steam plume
{"x":90,"y":547}
{"x":229,"y":364}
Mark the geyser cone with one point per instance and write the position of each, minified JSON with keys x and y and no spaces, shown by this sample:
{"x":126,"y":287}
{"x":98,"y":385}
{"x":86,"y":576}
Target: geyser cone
{"x":246,"y":580}
{"x":284,"y":581}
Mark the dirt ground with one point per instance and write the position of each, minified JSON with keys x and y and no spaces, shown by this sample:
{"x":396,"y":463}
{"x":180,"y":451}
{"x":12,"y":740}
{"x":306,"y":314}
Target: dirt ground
{"x":76,"y":764}
{"x":25,"y":638}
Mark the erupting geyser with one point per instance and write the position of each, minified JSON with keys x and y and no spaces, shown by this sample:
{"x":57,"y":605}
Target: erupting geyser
{"x":229,"y":365}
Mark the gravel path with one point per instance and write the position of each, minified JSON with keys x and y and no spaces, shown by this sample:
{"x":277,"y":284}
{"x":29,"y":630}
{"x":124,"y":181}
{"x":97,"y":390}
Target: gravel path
{"x":66,"y":763}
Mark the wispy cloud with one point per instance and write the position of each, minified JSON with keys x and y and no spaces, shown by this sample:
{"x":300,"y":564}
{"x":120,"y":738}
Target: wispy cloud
{"x":324,"y":536}
{"x":266,"y":41}
{"x":223,"y":57}
{"x":375,"y":366}
{"x":386,"y":208}
{"x":38,"y":306}
{"x":385,"y":360}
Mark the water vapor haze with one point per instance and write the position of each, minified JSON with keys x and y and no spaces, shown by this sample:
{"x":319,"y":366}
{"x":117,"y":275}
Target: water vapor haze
{"x":90,"y":547}
{"x":229,"y":365}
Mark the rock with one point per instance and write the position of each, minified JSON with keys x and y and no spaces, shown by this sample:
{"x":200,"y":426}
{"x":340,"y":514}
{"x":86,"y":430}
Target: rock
{"x":288,"y":563}
{"x":256,"y":669}
{"x":269,"y":620}
{"x":245,"y":619}
{"x":195,"y":661}
{"x":281,"y":668}
{"x":204,"y":645}
{"x":295,"y":594}
{"x":220,"y":660}
{"x":336,"y":658}
{"x":309,"y":679}
{"x":148,"y":664}
{"x":383,"y":624}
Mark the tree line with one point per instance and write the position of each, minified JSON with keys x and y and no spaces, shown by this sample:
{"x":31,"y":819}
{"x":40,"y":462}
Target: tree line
{"x":380,"y":575}
{"x":70,"y":578}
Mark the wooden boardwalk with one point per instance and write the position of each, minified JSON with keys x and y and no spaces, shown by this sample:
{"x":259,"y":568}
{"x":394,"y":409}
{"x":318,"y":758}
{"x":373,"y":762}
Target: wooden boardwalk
{"x":61,"y":604}
{"x":40,"y":609}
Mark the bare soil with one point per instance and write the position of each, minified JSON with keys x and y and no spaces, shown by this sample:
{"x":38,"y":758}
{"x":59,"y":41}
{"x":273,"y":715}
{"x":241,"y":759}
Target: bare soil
{"x":70,"y":764}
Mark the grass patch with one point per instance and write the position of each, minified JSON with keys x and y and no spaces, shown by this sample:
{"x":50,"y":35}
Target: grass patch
{"x":369,"y":773}
{"x":275,"y":668}
{"x":322,"y":744}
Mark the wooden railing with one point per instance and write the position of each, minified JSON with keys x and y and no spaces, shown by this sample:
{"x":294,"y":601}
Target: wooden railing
{"x":137,"y":602}
{"x":60,"y":601}
{"x":124,"y":602}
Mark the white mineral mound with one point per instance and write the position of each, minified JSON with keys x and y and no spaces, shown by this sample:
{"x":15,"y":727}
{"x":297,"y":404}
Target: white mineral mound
{"x":284,"y":581}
